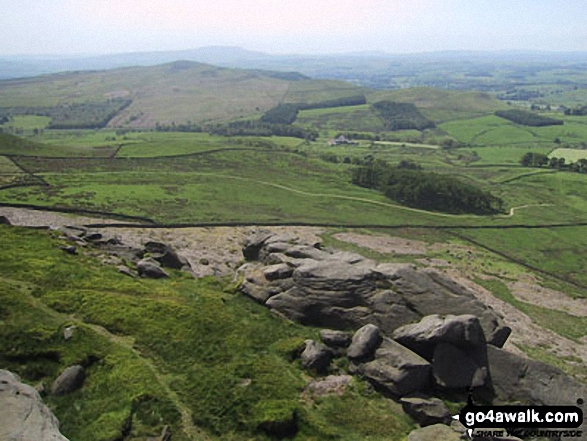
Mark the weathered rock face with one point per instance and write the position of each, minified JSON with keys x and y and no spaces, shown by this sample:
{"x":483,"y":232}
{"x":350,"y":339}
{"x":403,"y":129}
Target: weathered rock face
{"x":24,"y":416}
{"x":69,"y":380}
{"x":515,"y":378}
{"x":344,"y":291}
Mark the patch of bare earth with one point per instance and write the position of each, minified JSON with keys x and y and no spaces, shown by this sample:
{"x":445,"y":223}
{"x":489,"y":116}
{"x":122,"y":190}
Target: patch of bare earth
{"x":384,"y":244}
{"x":37,"y":218}
{"x":530,"y":292}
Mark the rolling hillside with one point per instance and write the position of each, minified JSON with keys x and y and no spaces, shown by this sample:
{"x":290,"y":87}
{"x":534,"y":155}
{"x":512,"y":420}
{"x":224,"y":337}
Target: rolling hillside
{"x":176,"y":92}
{"x":183,"y":91}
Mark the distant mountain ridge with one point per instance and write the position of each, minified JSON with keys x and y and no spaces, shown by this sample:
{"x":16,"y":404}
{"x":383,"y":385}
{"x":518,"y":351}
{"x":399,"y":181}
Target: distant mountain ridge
{"x":234,"y":56}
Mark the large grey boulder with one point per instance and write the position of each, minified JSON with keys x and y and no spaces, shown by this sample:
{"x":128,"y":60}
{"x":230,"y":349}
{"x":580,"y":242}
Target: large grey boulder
{"x":396,"y":370}
{"x":316,"y":356}
{"x":4,"y":220}
{"x":23,"y":415}
{"x":70,"y":380}
{"x":426,"y":411}
{"x":364,"y":343}
{"x":345,"y":291}
{"x":150,"y":268}
{"x":463,"y":331}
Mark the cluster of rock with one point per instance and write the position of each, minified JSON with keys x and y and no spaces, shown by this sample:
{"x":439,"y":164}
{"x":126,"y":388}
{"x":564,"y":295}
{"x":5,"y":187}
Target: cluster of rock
{"x":24,"y":416}
{"x":150,"y":261}
{"x":417,"y":333}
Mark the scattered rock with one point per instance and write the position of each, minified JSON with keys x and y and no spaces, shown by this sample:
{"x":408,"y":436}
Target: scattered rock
{"x":68,"y":332}
{"x":24,"y":416}
{"x":364,"y":343}
{"x":70,"y":380}
{"x":150,"y":268}
{"x":426,"y":411}
{"x":335,"y":339}
{"x":396,"y":370}
{"x":435,"y":432}
{"x":331,"y":385}
{"x":316,"y":356}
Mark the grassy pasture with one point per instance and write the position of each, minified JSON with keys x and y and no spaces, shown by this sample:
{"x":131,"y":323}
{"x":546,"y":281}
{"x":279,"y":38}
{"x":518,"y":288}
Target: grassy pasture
{"x":492,"y":130}
{"x":27,"y":123}
{"x":570,"y":155}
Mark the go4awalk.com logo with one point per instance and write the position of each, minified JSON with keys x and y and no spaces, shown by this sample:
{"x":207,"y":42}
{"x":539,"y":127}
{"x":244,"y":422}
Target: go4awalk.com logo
{"x":522,"y":421}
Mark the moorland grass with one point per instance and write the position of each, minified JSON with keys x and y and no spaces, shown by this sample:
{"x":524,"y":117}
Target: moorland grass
{"x":154,"y":349}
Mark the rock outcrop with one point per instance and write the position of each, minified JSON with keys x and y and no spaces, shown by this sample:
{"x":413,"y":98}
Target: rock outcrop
{"x":24,"y":416}
{"x":344,"y":291}
{"x":418,"y":332}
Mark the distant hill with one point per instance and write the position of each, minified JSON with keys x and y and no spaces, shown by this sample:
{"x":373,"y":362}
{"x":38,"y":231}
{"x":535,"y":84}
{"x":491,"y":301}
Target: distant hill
{"x":189,"y":92}
{"x":175,"y":92}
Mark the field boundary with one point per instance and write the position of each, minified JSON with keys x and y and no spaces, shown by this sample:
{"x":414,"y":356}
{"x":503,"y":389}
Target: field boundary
{"x":518,"y":261}
{"x":41,"y":181}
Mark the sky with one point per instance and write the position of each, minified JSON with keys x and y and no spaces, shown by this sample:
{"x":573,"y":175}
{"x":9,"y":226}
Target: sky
{"x":30,"y":27}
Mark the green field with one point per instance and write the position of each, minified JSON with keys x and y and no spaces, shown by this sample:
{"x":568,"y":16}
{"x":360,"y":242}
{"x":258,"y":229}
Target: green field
{"x":570,"y":155}
{"x":189,"y":372}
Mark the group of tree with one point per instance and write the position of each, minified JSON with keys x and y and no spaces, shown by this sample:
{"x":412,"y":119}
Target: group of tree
{"x":401,"y":116}
{"x":408,"y":184}
{"x":532,"y":159}
{"x":259,"y":128}
{"x":184,"y":127}
{"x":287,"y":113}
{"x":526,"y":118}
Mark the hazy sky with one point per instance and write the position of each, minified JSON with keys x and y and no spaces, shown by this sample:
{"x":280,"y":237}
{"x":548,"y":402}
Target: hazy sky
{"x":290,"y":26}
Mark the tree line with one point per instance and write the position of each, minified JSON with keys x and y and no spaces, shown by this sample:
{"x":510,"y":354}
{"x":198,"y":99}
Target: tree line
{"x":287,"y":113}
{"x":408,"y":184}
{"x":528,"y":118}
